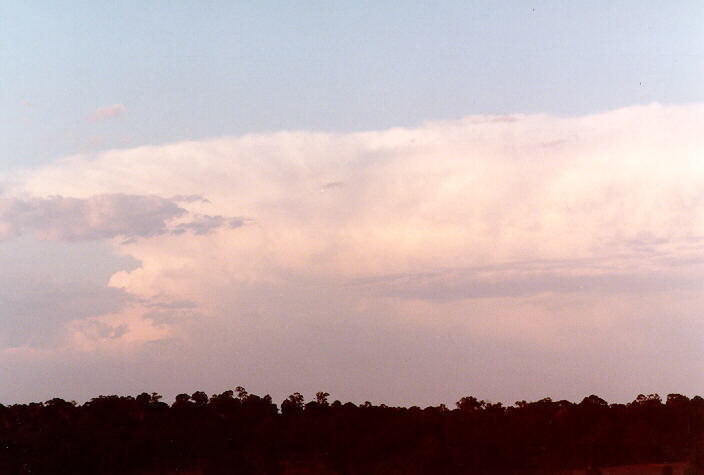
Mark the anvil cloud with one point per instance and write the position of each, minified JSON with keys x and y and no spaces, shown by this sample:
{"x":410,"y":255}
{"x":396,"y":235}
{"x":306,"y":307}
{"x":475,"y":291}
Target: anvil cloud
{"x":445,"y":259}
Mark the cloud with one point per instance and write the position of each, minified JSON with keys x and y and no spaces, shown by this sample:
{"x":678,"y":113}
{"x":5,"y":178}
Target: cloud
{"x":472,"y":284}
{"x":97,"y":330}
{"x":189,"y":199}
{"x":107,"y":112}
{"x":333,"y":184}
{"x":474,"y":190}
{"x":473,"y":251}
{"x":203,"y":224}
{"x":101,"y":217}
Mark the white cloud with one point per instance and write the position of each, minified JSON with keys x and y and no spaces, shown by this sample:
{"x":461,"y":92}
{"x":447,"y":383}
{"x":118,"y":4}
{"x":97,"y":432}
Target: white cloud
{"x":465,"y":193}
{"x":563,"y":237}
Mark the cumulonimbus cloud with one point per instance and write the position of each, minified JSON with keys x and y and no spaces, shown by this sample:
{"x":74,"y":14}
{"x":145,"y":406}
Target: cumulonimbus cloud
{"x":477,"y":191}
{"x":557,"y":232}
{"x":458,"y":194}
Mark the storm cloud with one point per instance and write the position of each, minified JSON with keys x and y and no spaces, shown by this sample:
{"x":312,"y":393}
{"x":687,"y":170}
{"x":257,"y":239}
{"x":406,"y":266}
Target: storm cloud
{"x":461,"y":251}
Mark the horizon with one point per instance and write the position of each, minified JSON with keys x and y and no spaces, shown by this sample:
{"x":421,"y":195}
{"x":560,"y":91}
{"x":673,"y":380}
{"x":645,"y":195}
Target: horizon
{"x":330,"y":399}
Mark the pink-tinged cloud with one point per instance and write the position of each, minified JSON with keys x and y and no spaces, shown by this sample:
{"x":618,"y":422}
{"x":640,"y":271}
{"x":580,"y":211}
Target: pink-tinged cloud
{"x":496,"y":256}
{"x":108,"y":112}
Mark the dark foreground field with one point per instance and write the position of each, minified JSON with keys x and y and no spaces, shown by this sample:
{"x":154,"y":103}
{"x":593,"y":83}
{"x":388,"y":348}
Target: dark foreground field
{"x":237,"y":432}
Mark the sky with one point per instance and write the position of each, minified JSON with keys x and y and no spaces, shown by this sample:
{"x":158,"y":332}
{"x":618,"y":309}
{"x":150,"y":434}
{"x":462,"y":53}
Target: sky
{"x":397,"y":202}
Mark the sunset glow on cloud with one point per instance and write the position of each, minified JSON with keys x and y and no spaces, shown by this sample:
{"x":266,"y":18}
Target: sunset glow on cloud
{"x":519,"y":248}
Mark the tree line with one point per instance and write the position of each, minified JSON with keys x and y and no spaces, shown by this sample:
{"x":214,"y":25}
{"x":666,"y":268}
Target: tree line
{"x":238,"y":432}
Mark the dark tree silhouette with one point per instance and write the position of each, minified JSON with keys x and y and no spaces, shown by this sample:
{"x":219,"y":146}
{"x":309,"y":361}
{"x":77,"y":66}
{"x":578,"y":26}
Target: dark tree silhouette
{"x":239,"y":432}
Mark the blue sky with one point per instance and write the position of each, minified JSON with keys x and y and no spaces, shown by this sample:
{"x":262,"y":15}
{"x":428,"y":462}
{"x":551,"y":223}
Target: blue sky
{"x":190,"y":70}
{"x":401,"y":202}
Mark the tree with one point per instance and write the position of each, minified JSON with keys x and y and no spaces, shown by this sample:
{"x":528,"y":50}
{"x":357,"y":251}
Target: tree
{"x":322,"y":398}
{"x":182,"y":399}
{"x":200,"y":398}
{"x":469,"y":403}
{"x":241,"y":393}
{"x":292,"y":404}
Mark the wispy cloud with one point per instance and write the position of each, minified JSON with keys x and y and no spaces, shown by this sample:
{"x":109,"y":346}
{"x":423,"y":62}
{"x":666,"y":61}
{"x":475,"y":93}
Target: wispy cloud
{"x":107,"y":112}
{"x":102,"y":217}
